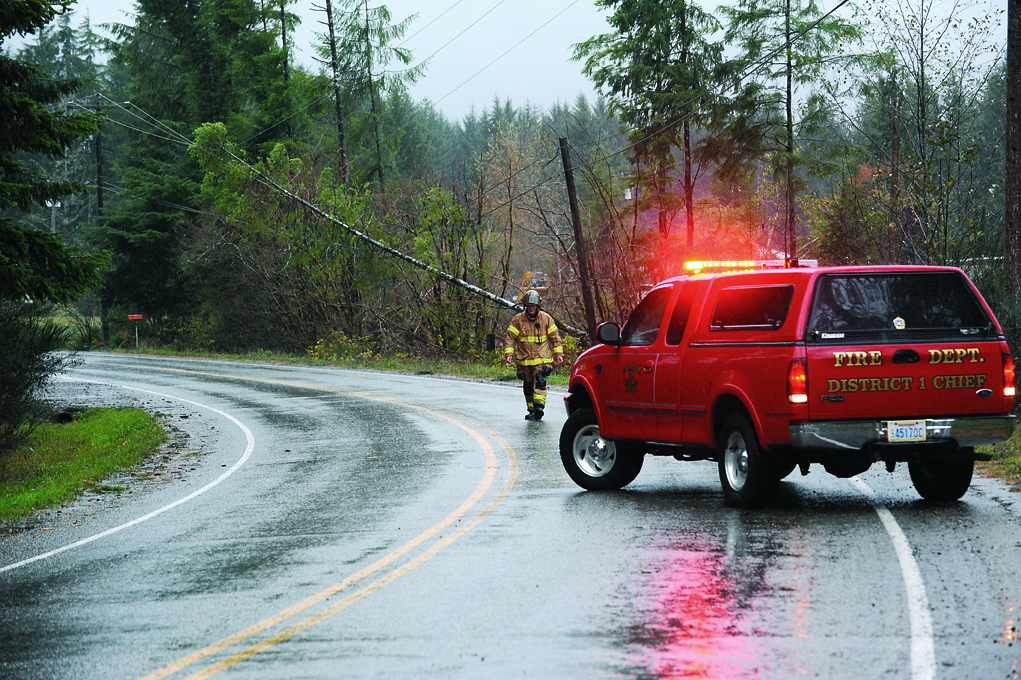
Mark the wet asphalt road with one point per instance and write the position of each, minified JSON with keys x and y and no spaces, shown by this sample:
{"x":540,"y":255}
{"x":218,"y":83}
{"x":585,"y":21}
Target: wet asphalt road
{"x":322,"y":523}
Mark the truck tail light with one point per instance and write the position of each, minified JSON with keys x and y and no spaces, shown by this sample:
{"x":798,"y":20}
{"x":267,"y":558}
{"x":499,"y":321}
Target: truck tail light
{"x":1008,"y":375}
{"x":797,"y":382}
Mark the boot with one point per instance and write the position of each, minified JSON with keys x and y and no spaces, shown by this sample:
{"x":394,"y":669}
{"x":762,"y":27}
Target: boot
{"x":538,"y":412}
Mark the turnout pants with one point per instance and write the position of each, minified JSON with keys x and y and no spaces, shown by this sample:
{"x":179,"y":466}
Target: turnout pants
{"x":534,"y":386}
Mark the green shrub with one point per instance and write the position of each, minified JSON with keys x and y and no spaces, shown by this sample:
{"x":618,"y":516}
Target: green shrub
{"x":28,"y":346}
{"x":338,"y":346}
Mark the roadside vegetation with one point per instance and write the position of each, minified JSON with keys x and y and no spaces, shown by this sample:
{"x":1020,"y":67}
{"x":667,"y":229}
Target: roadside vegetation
{"x":58,"y":462}
{"x":1006,"y":462}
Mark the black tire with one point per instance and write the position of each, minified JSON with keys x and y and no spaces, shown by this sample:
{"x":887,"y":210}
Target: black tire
{"x":594,"y":463}
{"x":941,"y":480}
{"x":744,"y":475}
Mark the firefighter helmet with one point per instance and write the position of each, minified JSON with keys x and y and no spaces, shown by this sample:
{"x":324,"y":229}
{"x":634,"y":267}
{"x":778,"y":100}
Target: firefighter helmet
{"x":531,"y":298}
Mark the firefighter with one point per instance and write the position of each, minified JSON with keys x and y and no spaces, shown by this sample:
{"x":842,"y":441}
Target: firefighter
{"x":533,"y":344}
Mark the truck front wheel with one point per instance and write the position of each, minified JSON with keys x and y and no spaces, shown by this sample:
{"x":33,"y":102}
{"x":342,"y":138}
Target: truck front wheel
{"x":941,"y":480}
{"x":592,"y":462}
{"x":744,"y":475}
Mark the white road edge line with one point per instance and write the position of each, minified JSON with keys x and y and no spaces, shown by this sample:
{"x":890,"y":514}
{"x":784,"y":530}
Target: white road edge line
{"x":923,"y":656}
{"x":248,"y":452}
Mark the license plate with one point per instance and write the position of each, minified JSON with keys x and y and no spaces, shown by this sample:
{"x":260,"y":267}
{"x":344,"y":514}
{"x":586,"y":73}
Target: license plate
{"x":905,"y":431}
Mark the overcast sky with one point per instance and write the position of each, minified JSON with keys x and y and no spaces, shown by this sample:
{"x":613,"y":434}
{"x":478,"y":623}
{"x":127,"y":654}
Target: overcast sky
{"x":527,"y":42}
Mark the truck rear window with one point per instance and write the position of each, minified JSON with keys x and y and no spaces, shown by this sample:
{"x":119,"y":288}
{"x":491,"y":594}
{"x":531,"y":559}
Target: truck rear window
{"x":895,"y":307}
{"x":748,"y":307}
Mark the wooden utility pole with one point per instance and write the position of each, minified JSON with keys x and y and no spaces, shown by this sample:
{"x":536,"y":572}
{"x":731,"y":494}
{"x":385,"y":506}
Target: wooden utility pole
{"x":1012,"y":181}
{"x":579,"y":242}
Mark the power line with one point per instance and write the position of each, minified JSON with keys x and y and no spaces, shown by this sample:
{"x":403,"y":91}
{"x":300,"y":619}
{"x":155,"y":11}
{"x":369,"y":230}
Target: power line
{"x":465,"y":30}
{"x":519,"y":195}
{"x":491,"y":10}
{"x":117,"y":189}
{"x":158,"y":124}
{"x":510,"y":50}
{"x":442,"y":14}
{"x":147,"y":132}
{"x":281,"y":122}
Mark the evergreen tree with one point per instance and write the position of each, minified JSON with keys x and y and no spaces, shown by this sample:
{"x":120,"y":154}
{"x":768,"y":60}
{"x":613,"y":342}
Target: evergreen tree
{"x":35,"y":263}
{"x":190,"y":62}
{"x":657,"y":68}
{"x":360,"y":47}
{"x":66,"y":53}
{"x":786,"y":44}
{"x":937,"y":91}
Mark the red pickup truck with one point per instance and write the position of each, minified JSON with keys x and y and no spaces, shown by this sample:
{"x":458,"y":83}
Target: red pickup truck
{"x":768,"y":370}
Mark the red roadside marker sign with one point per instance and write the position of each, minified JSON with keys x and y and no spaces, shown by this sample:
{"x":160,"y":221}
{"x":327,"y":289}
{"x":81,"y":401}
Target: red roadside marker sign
{"x":134,"y":317}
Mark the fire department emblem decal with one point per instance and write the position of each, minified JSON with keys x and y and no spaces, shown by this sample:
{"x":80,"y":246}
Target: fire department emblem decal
{"x":630,"y":381}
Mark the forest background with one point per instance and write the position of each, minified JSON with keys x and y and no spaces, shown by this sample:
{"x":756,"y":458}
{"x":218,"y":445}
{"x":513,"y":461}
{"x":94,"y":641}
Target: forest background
{"x":232,"y":191}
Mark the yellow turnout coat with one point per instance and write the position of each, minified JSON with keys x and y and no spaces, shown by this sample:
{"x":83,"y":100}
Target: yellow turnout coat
{"x":533,"y":342}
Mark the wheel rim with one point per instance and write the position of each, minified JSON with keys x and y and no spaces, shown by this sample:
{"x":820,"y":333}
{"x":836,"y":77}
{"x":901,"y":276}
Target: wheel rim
{"x":593,"y":455}
{"x":735,"y":461}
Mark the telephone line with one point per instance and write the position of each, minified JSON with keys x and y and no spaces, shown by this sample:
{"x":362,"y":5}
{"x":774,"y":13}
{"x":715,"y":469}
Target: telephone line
{"x":468,"y":28}
{"x":516,"y":45}
{"x":442,"y":14}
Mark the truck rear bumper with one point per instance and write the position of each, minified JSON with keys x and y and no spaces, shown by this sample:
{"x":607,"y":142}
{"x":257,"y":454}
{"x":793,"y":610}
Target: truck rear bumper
{"x":857,"y":434}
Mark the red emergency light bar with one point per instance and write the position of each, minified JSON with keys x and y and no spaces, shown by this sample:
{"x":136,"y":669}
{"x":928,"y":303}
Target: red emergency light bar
{"x":733,"y":266}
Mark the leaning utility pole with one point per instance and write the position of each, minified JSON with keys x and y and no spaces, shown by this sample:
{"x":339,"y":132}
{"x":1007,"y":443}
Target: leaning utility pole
{"x":264,"y":179}
{"x":579,"y":243}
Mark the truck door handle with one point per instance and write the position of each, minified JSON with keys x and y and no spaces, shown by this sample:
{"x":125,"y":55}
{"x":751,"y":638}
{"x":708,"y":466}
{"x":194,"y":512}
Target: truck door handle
{"x":648,"y":367}
{"x":906,"y":356}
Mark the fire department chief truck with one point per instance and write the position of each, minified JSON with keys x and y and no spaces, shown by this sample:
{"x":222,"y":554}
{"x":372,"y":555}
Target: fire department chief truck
{"x":766,"y":370}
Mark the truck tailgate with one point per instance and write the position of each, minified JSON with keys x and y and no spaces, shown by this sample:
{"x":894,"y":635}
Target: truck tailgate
{"x":904,"y":381}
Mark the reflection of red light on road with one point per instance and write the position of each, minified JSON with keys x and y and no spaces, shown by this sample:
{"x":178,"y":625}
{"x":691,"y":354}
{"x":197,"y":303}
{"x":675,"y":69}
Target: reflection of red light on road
{"x":691,"y":629}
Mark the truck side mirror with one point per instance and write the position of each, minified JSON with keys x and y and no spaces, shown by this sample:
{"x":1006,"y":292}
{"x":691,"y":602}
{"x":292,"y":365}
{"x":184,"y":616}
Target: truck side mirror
{"x":608,"y":333}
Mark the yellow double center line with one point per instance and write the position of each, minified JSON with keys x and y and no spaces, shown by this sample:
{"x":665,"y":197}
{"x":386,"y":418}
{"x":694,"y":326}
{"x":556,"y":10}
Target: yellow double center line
{"x":388,"y":577}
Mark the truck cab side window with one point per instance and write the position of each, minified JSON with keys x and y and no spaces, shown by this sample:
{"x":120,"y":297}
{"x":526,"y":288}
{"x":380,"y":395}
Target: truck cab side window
{"x":642,"y":326}
{"x":679,"y":317}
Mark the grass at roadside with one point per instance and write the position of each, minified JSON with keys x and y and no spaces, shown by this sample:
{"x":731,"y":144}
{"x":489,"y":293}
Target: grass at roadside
{"x":1006,"y":462}
{"x":59,"y":462}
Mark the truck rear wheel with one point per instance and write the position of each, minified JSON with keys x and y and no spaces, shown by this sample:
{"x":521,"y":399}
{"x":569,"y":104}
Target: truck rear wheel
{"x":744,"y":475}
{"x":941,"y":480}
{"x":595,"y":463}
